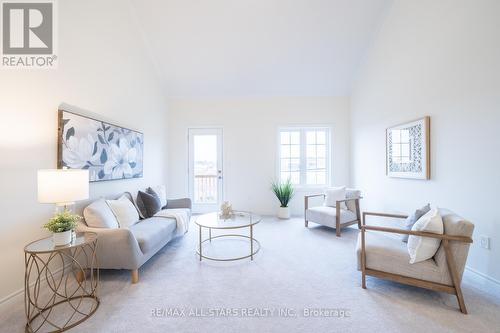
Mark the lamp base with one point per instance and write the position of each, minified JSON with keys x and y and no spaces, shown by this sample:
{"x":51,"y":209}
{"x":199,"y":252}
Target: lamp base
{"x":64,"y":206}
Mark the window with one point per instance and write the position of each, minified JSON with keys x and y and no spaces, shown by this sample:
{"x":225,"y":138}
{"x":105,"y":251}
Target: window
{"x":304,"y":155}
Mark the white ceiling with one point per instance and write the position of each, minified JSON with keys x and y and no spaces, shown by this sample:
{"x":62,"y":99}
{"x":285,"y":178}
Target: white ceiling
{"x":233,"y":48}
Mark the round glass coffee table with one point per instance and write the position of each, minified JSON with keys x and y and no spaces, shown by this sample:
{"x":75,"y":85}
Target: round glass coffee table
{"x":239,"y":220}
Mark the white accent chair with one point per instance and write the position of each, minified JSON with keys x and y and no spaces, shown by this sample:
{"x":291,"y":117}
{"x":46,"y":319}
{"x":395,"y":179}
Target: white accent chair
{"x":334,"y":217}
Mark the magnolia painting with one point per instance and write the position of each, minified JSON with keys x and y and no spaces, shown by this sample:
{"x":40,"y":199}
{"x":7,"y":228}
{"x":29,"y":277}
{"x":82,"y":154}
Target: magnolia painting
{"x":109,"y":152}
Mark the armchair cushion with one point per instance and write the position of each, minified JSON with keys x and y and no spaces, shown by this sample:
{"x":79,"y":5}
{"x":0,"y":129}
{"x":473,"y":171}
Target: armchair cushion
{"x":455,"y":225}
{"x":413,"y":218}
{"x":326,"y":215}
{"x":423,"y":248}
{"x":334,"y":194}
{"x":388,"y":254}
{"x":351,"y":194}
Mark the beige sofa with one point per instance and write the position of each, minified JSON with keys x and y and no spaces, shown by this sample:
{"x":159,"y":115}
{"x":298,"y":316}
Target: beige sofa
{"x":131,"y":248}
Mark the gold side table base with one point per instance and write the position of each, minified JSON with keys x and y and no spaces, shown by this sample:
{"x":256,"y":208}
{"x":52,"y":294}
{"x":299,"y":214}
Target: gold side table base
{"x":60,"y":278}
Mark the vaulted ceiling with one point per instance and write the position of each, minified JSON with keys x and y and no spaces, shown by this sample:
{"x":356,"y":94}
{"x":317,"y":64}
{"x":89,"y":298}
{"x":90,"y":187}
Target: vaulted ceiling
{"x":228,"y":48}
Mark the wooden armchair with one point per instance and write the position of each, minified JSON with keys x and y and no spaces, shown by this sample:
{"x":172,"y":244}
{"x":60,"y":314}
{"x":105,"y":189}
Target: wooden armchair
{"x":334,"y":217}
{"x":387,"y":258}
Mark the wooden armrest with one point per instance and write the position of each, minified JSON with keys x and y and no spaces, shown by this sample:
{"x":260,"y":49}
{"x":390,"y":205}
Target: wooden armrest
{"x":314,"y":195}
{"x":306,"y":200}
{"x":399,"y":216}
{"x":418,"y":233}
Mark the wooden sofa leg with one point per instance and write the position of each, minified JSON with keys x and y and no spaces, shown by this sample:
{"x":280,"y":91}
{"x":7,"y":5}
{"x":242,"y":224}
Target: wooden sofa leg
{"x":460,"y":298}
{"x":135,"y":275}
{"x":363,"y":260}
{"x":454,"y":276}
{"x":80,"y":276}
{"x":337,"y":220}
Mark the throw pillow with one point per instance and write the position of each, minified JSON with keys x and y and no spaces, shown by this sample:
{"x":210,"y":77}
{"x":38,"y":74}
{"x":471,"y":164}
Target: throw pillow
{"x":410,"y":221}
{"x":161,"y":192}
{"x":423,"y":248}
{"x":148,"y":203}
{"x":99,"y":215}
{"x":333,"y":194}
{"x":124,"y":210}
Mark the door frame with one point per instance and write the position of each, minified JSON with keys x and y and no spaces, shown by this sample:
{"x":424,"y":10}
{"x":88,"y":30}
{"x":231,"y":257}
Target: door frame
{"x":217,"y":130}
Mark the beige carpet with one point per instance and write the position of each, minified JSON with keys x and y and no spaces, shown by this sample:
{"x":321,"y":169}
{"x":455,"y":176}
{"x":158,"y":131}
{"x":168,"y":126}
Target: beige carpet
{"x":296,"y":269}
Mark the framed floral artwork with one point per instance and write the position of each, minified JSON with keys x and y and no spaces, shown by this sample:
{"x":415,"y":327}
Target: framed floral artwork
{"x":108,"y":151}
{"x":408,"y":150}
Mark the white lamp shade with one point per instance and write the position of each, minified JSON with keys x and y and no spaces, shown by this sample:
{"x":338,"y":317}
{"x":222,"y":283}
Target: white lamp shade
{"x":62,"y":186}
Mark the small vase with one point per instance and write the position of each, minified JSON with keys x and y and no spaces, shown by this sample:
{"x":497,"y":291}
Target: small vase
{"x":284,"y":212}
{"x":62,"y":238}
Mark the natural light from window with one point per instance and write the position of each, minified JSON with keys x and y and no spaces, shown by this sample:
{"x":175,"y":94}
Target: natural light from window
{"x":304,"y":155}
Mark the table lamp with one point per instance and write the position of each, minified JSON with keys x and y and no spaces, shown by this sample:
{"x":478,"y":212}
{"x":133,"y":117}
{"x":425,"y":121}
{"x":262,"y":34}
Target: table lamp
{"x":62,"y":187}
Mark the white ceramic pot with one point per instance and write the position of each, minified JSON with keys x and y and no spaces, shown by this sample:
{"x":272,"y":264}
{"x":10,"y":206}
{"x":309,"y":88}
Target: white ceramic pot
{"x":62,"y":238}
{"x":284,"y":212}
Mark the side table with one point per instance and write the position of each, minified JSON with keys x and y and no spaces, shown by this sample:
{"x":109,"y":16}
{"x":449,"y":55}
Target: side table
{"x":60,"y":283}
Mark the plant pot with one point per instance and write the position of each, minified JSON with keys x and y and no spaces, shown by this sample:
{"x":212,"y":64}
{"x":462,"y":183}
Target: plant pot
{"x":284,"y":212}
{"x":62,"y":238}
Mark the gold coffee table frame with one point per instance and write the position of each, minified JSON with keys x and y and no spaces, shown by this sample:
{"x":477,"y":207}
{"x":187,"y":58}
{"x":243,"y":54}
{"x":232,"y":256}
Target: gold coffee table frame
{"x":239,"y":221}
{"x":62,"y":271}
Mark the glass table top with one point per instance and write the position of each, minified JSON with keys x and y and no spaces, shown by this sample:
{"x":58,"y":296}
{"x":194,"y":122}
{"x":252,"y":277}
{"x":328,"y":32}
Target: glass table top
{"x":238,"y":220}
{"x":46,"y":245}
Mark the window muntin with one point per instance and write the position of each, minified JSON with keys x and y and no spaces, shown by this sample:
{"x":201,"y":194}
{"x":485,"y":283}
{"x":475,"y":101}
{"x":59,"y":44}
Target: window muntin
{"x":304,"y":155}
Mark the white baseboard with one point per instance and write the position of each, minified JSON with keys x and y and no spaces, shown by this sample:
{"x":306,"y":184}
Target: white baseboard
{"x":21,"y":291}
{"x":483,"y":279}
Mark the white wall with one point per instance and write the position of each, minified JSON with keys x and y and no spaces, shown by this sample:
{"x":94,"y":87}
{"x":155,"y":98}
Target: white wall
{"x":250,"y":128}
{"x":436,"y":58}
{"x":102,"y":68}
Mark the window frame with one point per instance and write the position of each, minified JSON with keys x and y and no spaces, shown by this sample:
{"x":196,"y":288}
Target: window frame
{"x":303,"y":153}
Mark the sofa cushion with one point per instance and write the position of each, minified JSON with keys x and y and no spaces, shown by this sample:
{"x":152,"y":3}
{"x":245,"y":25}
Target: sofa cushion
{"x":326,"y":215}
{"x":148,"y":203}
{"x":124,"y":210}
{"x":161,"y":192}
{"x":388,"y":254}
{"x":99,"y":215}
{"x":151,"y":233}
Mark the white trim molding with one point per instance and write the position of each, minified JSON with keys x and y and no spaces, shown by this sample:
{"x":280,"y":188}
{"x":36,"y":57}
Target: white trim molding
{"x":483,"y":280}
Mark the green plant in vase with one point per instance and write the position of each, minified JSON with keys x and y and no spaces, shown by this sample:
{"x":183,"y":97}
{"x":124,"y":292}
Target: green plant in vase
{"x":284,"y":191}
{"x":62,"y":226}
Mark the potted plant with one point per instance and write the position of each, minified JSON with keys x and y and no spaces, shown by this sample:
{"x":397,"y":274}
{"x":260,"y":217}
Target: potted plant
{"x":62,"y":226}
{"x":284,"y":192}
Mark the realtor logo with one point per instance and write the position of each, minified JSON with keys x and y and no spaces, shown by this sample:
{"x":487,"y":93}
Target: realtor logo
{"x":28,"y":34}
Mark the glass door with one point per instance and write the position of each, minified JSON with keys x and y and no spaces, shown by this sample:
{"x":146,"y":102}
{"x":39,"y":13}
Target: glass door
{"x":205,"y":169}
